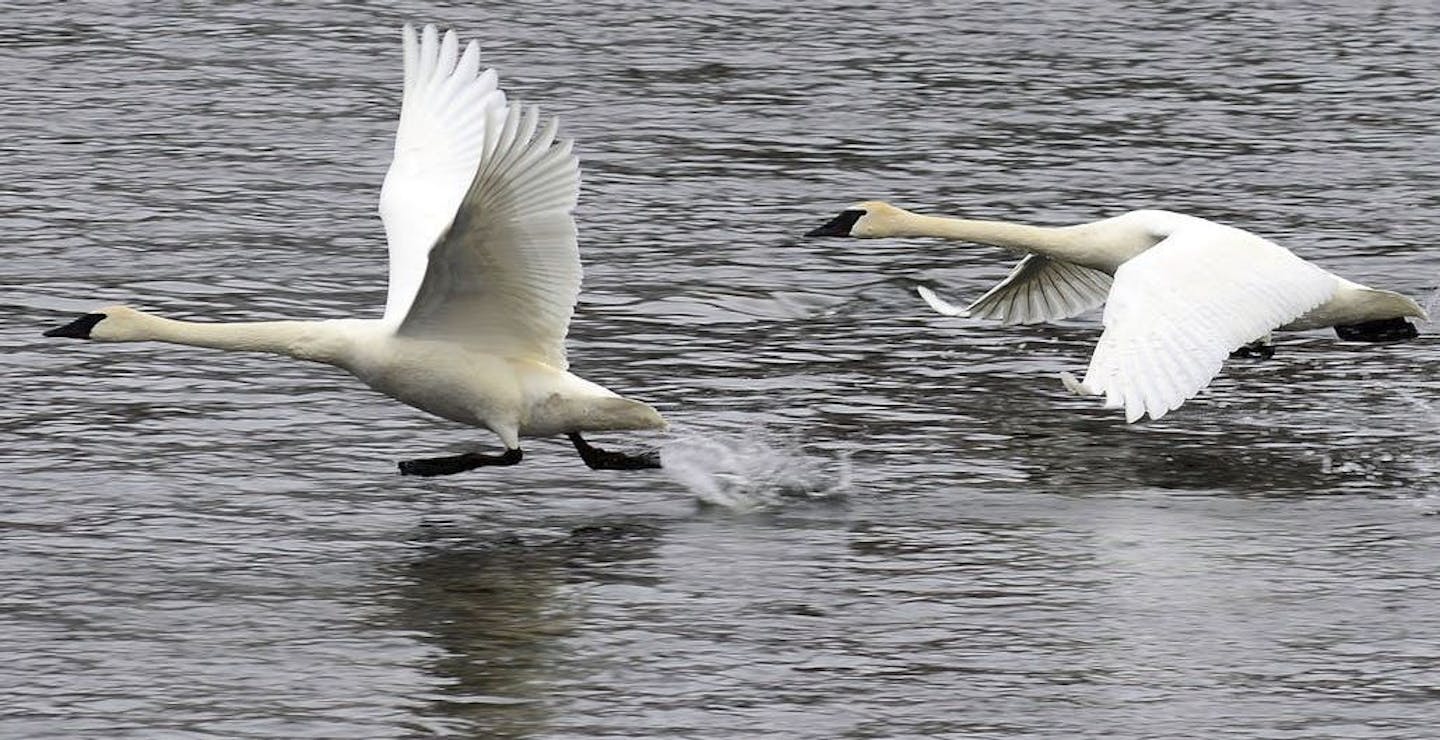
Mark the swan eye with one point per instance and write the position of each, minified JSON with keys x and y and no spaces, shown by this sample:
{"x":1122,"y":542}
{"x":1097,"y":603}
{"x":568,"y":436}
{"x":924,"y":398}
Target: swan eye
{"x":79,"y":328}
{"x":840,"y":225}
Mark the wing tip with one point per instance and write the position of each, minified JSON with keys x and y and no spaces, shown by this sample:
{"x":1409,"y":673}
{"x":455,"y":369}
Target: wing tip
{"x":940,"y":305}
{"x":1075,"y":386}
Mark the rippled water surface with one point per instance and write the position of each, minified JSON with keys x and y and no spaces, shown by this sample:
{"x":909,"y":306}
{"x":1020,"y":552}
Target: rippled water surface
{"x":877,"y":522}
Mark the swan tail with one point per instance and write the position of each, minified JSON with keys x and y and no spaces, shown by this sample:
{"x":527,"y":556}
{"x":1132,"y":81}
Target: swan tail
{"x":1402,"y":306}
{"x":564,"y":414}
{"x":622,"y":413}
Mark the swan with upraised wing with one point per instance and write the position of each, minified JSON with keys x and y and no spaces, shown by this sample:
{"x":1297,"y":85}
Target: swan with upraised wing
{"x":484,"y":276}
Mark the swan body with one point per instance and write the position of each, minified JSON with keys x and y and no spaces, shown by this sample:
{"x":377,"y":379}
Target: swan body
{"x":1180,"y":292}
{"x":484,"y":275}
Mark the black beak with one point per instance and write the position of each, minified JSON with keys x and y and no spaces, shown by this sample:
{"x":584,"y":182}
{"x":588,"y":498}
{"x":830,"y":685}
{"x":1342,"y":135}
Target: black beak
{"x":840,"y":225}
{"x":79,"y":328}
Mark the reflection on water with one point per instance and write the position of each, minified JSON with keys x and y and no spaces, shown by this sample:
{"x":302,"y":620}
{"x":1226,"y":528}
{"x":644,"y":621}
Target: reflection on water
{"x":501,"y":610}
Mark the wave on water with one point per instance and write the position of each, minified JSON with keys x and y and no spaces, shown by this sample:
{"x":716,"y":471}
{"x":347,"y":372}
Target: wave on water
{"x":753,"y":471}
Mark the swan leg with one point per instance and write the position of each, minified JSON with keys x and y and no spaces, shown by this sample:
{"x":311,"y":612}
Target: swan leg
{"x":1262,"y":348}
{"x":450,"y":465}
{"x":599,"y":459}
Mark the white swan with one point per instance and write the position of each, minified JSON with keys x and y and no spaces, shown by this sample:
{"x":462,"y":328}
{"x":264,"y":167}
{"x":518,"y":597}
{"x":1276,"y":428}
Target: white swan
{"x":1186,"y":292}
{"x":484,"y":275}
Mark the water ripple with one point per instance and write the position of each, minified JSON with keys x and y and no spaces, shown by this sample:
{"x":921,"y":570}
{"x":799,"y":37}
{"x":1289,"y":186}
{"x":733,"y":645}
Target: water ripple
{"x":875,"y":522}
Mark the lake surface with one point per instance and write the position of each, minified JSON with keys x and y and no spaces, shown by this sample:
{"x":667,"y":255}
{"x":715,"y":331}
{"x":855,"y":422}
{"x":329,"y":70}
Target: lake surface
{"x":876,"y":522}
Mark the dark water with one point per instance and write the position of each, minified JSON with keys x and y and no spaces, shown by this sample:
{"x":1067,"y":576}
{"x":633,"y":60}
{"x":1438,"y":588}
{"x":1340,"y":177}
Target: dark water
{"x":879,"y":522}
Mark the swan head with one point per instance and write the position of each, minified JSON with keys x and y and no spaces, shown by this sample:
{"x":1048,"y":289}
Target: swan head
{"x":870,"y":219}
{"x":113,"y":324}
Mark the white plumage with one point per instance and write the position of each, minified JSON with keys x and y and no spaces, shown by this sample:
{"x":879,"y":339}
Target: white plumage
{"x":484,"y":275}
{"x":1186,"y":292}
{"x":1040,"y":289}
{"x":437,"y":149}
{"x":505,"y":275}
{"x":1178,"y":310}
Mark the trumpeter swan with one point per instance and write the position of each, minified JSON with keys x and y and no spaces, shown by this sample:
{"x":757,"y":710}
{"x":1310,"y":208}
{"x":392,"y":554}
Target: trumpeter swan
{"x":484,"y":275}
{"x":1181,"y":294}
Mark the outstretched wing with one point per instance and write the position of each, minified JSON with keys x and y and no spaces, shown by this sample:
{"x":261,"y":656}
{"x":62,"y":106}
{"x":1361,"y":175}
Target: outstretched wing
{"x":437,"y":148}
{"x":506,"y":274}
{"x":1176,"y":311}
{"x":477,"y":207}
{"x":1041,"y":289}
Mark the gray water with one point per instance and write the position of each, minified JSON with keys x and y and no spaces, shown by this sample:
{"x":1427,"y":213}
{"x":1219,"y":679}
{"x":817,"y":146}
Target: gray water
{"x":877,"y":522}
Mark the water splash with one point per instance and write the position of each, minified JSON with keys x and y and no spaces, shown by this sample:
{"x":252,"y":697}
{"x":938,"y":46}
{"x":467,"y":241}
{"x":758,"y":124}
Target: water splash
{"x":1432,"y":303}
{"x":1428,"y":421}
{"x":1399,"y":452}
{"x":753,"y":471}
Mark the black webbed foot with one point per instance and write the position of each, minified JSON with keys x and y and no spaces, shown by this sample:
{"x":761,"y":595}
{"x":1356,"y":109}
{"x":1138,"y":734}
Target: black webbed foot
{"x":432,"y":466}
{"x":599,"y":459}
{"x":1260,"y":349}
{"x":1383,"y":330}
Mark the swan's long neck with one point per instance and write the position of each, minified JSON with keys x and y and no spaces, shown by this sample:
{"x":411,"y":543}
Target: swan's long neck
{"x":1102,"y":245}
{"x":320,"y":341}
{"x":1019,"y":237}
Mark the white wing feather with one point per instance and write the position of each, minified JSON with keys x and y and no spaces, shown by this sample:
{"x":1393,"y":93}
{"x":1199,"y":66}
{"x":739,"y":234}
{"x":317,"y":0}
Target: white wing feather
{"x":506,"y":274}
{"x":1041,"y":289}
{"x":437,"y":148}
{"x":1176,"y":311}
{"x":937,"y":304}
